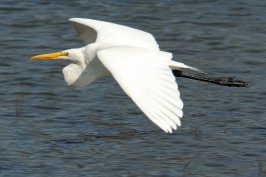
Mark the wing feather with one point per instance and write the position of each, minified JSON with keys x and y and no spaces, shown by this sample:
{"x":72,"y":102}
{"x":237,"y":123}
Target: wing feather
{"x":147,"y":79}
{"x":149,"y":106}
{"x":91,"y":31}
{"x":148,"y":110}
{"x":160,"y":108}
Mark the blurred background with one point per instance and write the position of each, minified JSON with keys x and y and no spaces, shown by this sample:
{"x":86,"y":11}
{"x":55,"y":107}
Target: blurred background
{"x":50,"y":129}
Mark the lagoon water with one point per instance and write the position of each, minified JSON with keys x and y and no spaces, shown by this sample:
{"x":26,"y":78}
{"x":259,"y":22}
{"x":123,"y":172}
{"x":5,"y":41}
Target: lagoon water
{"x":50,"y":129}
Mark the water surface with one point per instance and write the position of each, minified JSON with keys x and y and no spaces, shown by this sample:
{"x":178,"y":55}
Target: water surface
{"x":50,"y":129}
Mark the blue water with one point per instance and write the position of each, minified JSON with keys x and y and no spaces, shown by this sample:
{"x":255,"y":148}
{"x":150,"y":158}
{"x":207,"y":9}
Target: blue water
{"x":50,"y":129}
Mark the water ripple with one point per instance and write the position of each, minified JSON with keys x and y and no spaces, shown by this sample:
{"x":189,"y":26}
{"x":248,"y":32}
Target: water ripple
{"x":50,"y":129}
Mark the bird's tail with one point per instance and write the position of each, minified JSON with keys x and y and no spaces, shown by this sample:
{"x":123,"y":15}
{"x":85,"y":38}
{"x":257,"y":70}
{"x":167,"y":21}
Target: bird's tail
{"x":177,"y":66}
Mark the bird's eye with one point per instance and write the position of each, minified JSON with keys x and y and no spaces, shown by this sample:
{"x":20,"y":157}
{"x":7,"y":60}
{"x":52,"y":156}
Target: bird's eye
{"x":66,"y":54}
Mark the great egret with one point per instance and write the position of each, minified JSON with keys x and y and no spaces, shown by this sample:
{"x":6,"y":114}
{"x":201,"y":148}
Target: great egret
{"x":134,"y":59}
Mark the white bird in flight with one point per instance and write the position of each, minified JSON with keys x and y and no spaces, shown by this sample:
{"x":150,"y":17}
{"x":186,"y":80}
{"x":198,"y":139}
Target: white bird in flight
{"x":134,"y":59}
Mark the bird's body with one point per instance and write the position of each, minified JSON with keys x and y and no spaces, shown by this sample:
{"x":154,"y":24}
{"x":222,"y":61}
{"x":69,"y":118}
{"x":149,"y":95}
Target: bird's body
{"x":134,"y":59}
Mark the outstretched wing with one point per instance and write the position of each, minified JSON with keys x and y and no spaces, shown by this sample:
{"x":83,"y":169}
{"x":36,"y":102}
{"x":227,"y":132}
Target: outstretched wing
{"x":91,"y":31}
{"x":146,"y":78}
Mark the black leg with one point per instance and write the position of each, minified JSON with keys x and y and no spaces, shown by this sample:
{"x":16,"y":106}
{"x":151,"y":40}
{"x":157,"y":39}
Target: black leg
{"x":225,"y":81}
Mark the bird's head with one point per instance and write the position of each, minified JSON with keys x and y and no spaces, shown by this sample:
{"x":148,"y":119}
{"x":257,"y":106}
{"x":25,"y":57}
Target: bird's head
{"x":73,"y":55}
{"x":73,"y":73}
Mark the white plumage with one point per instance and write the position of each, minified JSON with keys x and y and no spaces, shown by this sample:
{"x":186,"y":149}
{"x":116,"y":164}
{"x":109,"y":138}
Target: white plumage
{"x":133,"y":58}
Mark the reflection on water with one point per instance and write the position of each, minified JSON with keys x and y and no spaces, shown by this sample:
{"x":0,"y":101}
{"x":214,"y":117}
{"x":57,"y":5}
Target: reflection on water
{"x":50,"y":129}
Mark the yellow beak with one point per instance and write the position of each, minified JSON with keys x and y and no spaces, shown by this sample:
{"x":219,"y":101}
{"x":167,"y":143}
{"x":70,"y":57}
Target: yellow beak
{"x":49,"y":56}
